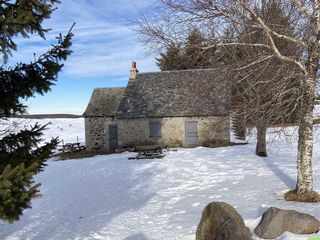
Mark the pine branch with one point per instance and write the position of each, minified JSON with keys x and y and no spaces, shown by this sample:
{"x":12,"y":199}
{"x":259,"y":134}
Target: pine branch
{"x":24,"y":80}
{"x":17,"y":190}
{"x":22,"y":18}
{"x":24,"y":147}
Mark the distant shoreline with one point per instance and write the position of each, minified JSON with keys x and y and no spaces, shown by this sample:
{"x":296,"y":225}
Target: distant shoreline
{"x":44,"y":116}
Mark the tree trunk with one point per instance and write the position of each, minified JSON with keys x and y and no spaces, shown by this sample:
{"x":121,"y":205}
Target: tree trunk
{"x":261,"y":148}
{"x":304,"y":160}
{"x":239,"y":127}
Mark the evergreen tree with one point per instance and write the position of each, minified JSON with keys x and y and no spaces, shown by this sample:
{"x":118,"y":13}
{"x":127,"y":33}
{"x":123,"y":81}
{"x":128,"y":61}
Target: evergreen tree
{"x":21,"y":155}
{"x":192,"y":54}
{"x":196,"y":54}
{"x":172,"y":59}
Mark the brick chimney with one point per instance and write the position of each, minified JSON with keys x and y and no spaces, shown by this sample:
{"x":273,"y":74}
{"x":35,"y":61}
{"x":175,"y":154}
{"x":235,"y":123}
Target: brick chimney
{"x":133,"y":71}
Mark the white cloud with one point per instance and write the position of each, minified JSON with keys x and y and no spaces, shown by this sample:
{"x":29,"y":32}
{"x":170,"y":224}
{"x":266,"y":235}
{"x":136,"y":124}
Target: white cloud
{"x":104,"y":46}
{"x":112,"y":51}
{"x":103,"y":43}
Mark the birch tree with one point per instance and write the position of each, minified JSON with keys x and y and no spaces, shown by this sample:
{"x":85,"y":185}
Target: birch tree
{"x":219,"y":16}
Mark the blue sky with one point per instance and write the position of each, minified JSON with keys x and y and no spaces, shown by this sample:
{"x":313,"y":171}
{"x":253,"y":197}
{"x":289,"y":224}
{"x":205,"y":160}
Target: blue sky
{"x":104,"y":46}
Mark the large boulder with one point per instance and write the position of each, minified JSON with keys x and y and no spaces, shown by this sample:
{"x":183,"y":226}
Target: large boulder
{"x":220,"y":221}
{"x":276,"y":221}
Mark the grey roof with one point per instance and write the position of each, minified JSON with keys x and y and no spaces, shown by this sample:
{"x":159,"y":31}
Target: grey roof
{"x":104,"y":102}
{"x":201,"y":92}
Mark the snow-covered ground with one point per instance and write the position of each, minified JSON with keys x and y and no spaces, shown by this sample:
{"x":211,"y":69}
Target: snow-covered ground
{"x":110,"y":197}
{"x":67,"y":129}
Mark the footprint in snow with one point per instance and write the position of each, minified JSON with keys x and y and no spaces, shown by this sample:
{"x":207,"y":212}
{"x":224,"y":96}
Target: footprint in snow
{"x":181,"y":212}
{"x":174,"y":200}
{"x":215,"y":196}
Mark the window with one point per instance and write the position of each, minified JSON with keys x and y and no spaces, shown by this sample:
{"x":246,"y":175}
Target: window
{"x":154,"y":129}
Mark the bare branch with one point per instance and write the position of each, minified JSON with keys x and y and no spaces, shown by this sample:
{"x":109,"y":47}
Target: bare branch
{"x":244,"y":44}
{"x":302,"y":8}
{"x":272,"y":44}
{"x":254,"y":63}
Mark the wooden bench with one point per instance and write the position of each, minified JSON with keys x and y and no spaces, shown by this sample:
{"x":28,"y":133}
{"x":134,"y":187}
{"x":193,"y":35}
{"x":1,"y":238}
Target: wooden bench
{"x":148,"y":152}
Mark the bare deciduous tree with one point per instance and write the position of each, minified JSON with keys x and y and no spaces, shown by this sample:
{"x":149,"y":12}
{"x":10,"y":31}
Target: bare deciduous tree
{"x":266,"y":92}
{"x":230,"y":17}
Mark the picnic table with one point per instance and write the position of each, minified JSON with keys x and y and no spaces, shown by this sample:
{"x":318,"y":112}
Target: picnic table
{"x":72,"y":147}
{"x":148,"y":152}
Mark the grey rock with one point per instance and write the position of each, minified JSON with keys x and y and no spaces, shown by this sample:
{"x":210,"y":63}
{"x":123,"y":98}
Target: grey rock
{"x":220,"y":221}
{"x":276,"y":221}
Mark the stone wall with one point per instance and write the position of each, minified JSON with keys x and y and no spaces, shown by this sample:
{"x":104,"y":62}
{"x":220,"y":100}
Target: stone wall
{"x":96,"y":132}
{"x":136,"y":131}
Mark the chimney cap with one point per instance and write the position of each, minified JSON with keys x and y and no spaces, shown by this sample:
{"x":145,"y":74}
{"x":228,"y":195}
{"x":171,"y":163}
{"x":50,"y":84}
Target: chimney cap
{"x":133,"y":71}
{"x":134,"y":64}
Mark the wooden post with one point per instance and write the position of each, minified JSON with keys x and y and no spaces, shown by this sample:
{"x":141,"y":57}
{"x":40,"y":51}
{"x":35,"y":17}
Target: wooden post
{"x":62,"y":145}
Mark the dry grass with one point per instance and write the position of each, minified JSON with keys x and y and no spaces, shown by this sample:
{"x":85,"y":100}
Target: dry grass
{"x":79,"y":154}
{"x":293,"y":196}
{"x":218,"y":143}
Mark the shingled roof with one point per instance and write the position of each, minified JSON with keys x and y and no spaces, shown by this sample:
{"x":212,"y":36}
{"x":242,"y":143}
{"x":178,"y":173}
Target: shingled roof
{"x":185,"y":93}
{"x":104,"y":102}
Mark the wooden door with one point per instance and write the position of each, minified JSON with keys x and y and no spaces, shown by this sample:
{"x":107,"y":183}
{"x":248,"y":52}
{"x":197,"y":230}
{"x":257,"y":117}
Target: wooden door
{"x":191,"y":133}
{"x":113,"y":137}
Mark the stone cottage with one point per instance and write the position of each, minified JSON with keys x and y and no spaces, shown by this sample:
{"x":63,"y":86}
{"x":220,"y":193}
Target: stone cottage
{"x":100,"y":118}
{"x":184,"y":108}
